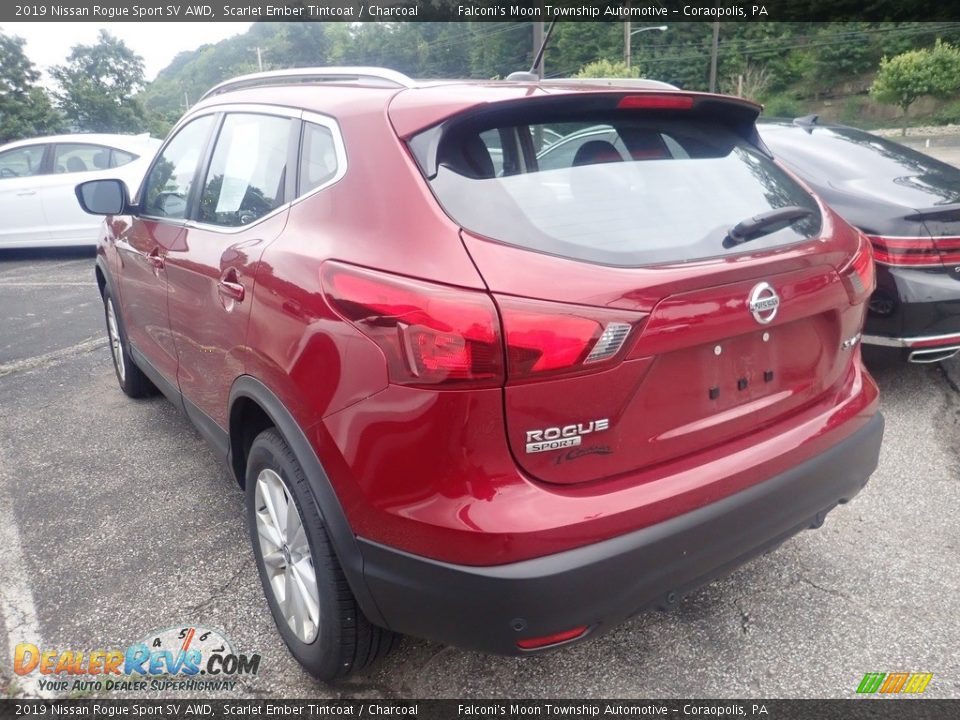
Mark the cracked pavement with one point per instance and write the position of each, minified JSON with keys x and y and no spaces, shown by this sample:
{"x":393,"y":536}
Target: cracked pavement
{"x":128,"y":524}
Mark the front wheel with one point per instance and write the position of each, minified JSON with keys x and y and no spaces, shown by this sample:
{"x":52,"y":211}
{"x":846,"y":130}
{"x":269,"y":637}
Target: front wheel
{"x":311,"y":602}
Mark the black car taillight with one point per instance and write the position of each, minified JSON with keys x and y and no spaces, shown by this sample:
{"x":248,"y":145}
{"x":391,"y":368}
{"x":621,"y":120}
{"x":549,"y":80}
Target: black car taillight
{"x":916,"y":251}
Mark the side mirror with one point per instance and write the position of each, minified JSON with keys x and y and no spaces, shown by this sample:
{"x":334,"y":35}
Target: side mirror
{"x":103,"y":197}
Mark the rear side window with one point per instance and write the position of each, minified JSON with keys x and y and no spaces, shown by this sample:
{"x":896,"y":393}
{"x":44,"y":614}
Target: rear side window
{"x":247,"y":174}
{"x":119,"y":158}
{"x":80,"y":157}
{"x":21,"y":162}
{"x":318,"y":157}
{"x":619,"y":187}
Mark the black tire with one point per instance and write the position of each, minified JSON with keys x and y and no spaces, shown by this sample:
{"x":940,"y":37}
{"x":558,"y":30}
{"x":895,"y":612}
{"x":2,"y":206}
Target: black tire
{"x":345,"y":640}
{"x":132,"y":380}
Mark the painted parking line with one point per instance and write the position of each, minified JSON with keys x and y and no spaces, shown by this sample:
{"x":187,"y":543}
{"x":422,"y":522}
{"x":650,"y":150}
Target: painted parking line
{"x":17,"y":610}
{"x":5,"y":284}
{"x":53,"y":357}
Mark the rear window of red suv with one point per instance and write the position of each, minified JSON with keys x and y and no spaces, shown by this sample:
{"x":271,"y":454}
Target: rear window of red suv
{"x":614,"y":187}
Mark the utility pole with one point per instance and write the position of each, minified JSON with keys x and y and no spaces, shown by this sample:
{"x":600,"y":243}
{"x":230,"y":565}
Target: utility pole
{"x":713,"y":56}
{"x":259,"y":60}
{"x":537,"y":42}
{"x":629,"y":32}
{"x":626,"y":40}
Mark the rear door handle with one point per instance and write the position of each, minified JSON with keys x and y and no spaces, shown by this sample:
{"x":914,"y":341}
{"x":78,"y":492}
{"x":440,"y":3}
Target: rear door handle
{"x":229,"y":285}
{"x":26,"y":193}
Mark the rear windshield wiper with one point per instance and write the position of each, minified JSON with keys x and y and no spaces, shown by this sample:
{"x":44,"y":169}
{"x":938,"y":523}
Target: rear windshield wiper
{"x":764,"y":224}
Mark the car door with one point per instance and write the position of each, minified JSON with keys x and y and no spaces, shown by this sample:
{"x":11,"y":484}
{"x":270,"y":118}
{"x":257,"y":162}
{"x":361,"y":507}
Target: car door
{"x":71,"y":164}
{"x":242,"y":206}
{"x":20,"y":207}
{"x":156,"y":230}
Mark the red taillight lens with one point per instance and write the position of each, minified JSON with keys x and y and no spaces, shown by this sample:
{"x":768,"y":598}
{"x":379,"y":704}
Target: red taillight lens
{"x":430,"y":334}
{"x":555,"y":639}
{"x":655,"y":102}
{"x":549,"y":339}
{"x":859,"y":275}
{"x":915,"y":251}
{"x":949,"y":248}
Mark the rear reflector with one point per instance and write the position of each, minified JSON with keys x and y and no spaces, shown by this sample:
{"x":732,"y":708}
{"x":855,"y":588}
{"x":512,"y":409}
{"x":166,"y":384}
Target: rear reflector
{"x":430,"y":334}
{"x":555,"y":639}
{"x":655,"y":102}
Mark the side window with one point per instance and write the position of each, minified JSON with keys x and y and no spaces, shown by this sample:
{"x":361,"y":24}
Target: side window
{"x":318,"y":157}
{"x":21,"y":162}
{"x":167,"y":187}
{"x":119,"y":158}
{"x":74,"y":158}
{"x":247,"y":173}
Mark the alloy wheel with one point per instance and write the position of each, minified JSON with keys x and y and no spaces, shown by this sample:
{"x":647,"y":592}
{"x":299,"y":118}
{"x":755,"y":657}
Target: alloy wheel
{"x":286,"y":556}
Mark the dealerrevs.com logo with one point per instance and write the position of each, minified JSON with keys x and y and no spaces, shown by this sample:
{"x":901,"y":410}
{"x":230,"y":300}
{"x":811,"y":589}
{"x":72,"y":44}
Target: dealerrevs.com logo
{"x":181,"y":658}
{"x":894,"y":683}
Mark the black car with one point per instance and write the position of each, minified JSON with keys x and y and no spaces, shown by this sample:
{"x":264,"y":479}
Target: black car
{"x":908,"y":204}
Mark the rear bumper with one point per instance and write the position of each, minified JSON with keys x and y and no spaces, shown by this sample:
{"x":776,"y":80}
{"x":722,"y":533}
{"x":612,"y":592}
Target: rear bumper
{"x":914,"y":307}
{"x":599,"y":585}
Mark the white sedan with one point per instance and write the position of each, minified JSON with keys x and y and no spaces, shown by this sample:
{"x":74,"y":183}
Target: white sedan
{"x":38,"y":206}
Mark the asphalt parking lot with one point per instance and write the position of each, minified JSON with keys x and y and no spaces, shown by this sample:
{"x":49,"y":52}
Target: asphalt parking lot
{"x":115,"y":520}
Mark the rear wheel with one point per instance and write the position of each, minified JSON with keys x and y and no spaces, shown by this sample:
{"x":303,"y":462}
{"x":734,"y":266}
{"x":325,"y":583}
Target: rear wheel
{"x":132,"y":380}
{"x":306,"y":590}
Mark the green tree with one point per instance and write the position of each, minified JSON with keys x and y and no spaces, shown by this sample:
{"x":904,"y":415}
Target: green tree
{"x":98,"y":84}
{"x":904,"y":78}
{"x":608,"y":69}
{"x":25,"y":109}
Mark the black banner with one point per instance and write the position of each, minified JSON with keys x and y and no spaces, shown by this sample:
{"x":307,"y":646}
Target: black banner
{"x":475,"y":10}
{"x":898,"y":708}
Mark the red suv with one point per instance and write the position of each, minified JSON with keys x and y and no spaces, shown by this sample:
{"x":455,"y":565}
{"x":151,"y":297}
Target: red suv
{"x":480,"y":397}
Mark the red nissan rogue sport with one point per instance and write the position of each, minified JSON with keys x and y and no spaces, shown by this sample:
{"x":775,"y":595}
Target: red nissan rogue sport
{"x":478,"y":396}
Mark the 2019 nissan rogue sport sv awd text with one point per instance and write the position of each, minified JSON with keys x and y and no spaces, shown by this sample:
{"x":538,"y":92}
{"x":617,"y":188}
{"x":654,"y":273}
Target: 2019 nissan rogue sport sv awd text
{"x":488,"y":403}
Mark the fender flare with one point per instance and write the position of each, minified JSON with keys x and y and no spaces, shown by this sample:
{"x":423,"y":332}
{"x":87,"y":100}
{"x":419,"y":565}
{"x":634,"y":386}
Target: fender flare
{"x":101,"y":265}
{"x":331,"y":511}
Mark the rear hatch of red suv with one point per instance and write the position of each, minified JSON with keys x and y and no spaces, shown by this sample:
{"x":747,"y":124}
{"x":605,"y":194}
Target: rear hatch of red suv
{"x":663,"y":286}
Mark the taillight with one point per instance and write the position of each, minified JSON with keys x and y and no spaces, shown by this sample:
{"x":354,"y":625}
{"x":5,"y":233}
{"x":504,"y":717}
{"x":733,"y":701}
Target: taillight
{"x":546,"y":339}
{"x":859,"y":276}
{"x":655,"y":102}
{"x":430,"y":334}
{"x":916,"y":251}
{"x":434,"y":334}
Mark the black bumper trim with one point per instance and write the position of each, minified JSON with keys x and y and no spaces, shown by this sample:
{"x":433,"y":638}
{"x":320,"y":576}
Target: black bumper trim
{"x":601,"y":584}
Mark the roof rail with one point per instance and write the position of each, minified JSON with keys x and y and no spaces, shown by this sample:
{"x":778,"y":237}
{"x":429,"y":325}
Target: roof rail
{"x":377,"y":77}
{"x":637,"y":83}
